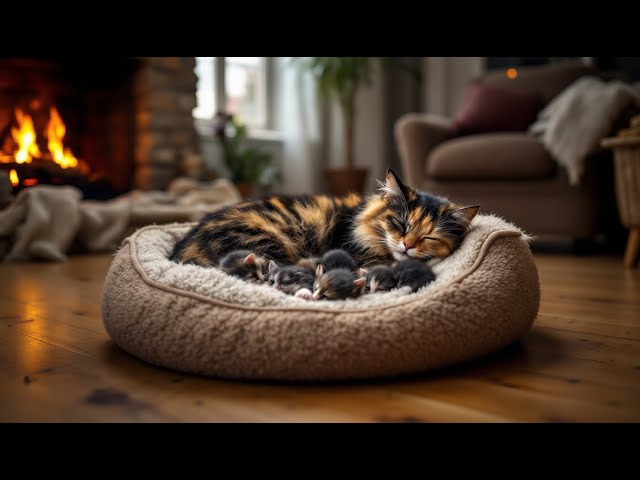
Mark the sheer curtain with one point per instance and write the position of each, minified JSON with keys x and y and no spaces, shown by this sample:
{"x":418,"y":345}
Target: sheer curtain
{"x":298,"y":117}
{"x":312,"y":130}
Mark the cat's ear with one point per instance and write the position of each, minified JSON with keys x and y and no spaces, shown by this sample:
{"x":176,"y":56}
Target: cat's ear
{"x":465,"y":215}
{"x":319,"y":270}
{"x":393,"y":187}
{"x":250,"y":259}
{"x":272,"y":266}
{"x":360,"y":282}
{"x":362,"y":272}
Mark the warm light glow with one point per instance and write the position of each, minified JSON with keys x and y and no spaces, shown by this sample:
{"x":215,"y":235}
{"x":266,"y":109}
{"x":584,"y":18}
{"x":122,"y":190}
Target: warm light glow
{"x":512,"y":73}
{"x":56,"y":131}
{"x":25,"y":137}
{"x":30,"y":182}
{"x":13,"y":177}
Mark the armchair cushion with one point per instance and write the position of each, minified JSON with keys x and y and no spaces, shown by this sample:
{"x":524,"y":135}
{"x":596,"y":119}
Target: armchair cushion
{"x":488,"y":108}
{"x":498,"y":156}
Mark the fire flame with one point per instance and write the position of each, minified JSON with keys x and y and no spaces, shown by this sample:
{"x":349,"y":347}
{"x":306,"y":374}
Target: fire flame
{"x":56,"y":131}
{"x":13,"y":177}
{"x":25,"y":137}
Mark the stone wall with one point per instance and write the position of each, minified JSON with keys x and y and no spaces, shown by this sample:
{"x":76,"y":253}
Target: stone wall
{"x":167,"y":144}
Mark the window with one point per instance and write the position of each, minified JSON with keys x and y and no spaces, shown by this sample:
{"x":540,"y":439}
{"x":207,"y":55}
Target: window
{"x":237,"y":85}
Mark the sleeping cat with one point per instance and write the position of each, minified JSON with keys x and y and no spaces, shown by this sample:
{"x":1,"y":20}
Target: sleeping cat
{"x":398,"y":223}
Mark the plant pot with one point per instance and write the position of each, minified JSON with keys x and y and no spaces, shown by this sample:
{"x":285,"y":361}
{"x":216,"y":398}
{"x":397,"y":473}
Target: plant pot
{"x":246,"y":189}
{"x":342,"y":181}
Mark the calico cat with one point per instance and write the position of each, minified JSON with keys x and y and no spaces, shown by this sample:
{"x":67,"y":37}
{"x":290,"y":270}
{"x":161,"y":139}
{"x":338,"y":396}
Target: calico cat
{"x":399,"y":222}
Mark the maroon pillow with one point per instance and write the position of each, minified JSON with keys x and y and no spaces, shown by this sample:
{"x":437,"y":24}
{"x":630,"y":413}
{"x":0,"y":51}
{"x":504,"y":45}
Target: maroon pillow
{"x":487,"y":108}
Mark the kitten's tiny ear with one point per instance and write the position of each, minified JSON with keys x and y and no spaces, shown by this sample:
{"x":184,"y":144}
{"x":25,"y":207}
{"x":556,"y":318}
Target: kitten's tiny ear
{"x":362,"y":272}
{"x":250,"y":259}
{"x":272,"y":266}
{"x":393,"y":186}
{"x":319,"y":270}
{"x":360,"y":282}
{"x":465,"y":215}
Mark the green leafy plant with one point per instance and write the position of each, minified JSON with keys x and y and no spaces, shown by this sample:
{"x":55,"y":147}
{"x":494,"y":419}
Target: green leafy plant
{"x":245,"y":163}
{"x":341,"y":78}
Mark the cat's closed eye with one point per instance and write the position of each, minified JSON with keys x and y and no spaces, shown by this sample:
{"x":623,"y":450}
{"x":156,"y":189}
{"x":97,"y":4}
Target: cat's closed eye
{"x":395,"y":223}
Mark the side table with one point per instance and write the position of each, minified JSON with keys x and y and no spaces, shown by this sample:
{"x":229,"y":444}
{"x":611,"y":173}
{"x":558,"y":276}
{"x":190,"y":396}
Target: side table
{"x":626,"y":151}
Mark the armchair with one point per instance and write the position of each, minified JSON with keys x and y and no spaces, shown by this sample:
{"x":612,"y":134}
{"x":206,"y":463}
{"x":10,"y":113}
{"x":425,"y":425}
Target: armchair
{"x":509,"y":174}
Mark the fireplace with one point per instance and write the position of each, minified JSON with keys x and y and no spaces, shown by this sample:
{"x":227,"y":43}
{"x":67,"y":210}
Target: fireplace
{"x":111,"y":123}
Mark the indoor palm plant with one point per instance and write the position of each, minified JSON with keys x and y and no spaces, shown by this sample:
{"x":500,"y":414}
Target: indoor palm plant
{"x":341,"y":78}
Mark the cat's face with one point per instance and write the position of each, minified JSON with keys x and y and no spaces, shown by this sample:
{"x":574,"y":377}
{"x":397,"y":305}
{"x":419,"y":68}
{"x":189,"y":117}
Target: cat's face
{"x":337,"y":285}
{"x":290,"y":279}
{"x":406,"y":223}
{"x":252,"y":268}
{"x":380,"y":279}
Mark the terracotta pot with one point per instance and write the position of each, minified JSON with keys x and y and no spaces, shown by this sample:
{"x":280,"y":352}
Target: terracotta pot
{"x":245,"y":188}
{"x":342,"y":181}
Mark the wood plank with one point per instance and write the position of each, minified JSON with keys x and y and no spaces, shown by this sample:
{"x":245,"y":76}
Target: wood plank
{"x":579,"y":362}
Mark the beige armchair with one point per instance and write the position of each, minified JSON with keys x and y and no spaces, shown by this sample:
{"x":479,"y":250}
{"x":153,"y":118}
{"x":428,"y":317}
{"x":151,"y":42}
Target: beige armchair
{"x":510,"y":174}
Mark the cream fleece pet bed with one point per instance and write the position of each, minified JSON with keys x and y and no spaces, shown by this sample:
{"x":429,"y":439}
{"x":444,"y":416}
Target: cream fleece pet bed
{"x":200,"y":320}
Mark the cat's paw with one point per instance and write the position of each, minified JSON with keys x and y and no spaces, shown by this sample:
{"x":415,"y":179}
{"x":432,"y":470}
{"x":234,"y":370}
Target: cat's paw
{"x":304,"y":293}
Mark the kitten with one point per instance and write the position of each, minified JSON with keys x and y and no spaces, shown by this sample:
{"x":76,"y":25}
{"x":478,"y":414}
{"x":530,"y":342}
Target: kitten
{"x":292,"y":280}
{"x":246,"y":265}
{"x":380,"y":278}
{"x":399,"y":222}
{"x":413,"y":273}
{"x":336,"y":258}
{"x":337,"y":284}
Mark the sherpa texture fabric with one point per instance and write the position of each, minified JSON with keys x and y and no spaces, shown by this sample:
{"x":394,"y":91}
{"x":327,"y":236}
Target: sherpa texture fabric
{"x":200,"y":320}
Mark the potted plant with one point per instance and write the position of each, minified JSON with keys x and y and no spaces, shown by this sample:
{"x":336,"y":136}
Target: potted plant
{"x":250,"y":168}
{"x":342,"y":78}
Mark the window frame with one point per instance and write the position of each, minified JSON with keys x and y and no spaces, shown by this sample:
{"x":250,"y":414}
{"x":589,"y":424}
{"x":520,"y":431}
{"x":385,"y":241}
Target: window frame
{"x":219,"y":85}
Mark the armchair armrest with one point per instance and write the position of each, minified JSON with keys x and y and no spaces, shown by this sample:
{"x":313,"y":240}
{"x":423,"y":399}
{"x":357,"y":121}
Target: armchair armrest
{"x":416,"y":135}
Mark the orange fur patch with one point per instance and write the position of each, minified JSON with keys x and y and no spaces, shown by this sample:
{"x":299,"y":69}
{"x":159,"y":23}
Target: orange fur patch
{"x":193,"y":253}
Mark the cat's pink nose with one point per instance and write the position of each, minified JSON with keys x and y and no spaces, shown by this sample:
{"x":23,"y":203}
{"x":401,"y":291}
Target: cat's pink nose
{"x":408,"y":246}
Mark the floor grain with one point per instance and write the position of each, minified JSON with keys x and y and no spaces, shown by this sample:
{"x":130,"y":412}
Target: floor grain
{"x":579,"y":363}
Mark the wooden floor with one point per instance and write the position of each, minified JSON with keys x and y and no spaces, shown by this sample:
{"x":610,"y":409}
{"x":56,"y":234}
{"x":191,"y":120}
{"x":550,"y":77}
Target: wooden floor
{"x":579,"y":363}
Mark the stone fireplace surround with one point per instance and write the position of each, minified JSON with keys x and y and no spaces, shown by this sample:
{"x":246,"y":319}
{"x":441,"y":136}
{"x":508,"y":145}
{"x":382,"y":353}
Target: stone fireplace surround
{"x":166,"y":143}
{"x":143,"y":106}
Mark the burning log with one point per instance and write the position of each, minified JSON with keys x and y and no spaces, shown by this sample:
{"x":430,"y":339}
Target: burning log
{"x":28,"y":165}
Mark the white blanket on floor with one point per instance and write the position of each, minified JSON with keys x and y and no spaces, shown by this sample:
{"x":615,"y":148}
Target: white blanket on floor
{"x":575,"y":121}
{"x":44,"y":222}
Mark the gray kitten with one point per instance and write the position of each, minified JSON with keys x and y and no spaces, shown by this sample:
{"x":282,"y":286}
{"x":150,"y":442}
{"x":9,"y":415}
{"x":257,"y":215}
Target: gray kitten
{"x":336,"y":258}
{"x":337,"y":284}
{"x":413,"y":273}
{"x":292,"y":280}
{"x":380,"y":278}
{"x":245,"y":265}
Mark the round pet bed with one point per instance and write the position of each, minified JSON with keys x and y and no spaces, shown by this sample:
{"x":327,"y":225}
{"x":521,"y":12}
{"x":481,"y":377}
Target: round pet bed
{"x":200,"y":320}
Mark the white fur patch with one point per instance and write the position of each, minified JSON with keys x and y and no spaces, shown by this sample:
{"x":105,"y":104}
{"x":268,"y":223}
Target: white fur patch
{"x":393,"y":190}
{"x":304,"y":293}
